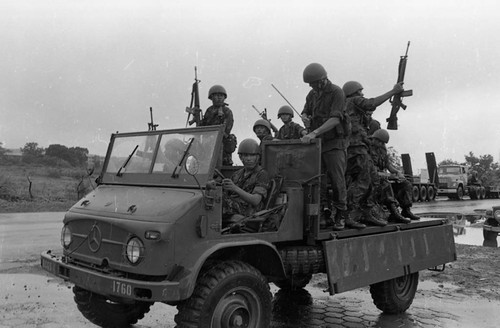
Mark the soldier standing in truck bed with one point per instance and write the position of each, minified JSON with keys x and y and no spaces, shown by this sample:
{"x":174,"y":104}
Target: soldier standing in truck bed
{"x":290,"y":129}
{"x":384,"y":189}
{"x":360,"y":173}
{"x":324,"y":112}
{"x":220,"y":113}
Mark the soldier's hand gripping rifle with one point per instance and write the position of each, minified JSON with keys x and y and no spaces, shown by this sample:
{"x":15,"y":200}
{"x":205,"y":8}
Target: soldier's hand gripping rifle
{"x":195,"y":100}
{"x":396,"y":101}
{"x":263,"y":114}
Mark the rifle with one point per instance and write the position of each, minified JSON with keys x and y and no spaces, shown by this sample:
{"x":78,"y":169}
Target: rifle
{"x":396,"y":101}
{"x":263,"y":114}
{"x":307,"y":126}
{"x":151,"y":125}
{"x":195,"y":100}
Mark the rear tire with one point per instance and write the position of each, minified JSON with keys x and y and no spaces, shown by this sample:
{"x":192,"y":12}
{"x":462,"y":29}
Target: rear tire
{"x":423,"y":193}
{"x":395,"y":295}
{"x":230,"y":294}
{"x":431,"y":193}
{"x":103,"y":312}
{"x":415,"y":194}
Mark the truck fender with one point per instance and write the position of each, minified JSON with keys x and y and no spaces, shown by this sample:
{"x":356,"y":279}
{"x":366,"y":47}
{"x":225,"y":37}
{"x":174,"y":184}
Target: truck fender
{"x":259,"y":253}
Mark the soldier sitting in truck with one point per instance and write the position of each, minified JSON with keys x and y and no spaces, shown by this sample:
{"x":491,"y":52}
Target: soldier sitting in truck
{"x":383,"y":187}
{"x":245,"y":192}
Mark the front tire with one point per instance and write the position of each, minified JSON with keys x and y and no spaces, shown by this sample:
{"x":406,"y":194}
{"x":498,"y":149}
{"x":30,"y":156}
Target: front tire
{"x":230,"y":294}
{"x":395,"y":295}
{"x":103,"y":312}
{"x":460,"y":193}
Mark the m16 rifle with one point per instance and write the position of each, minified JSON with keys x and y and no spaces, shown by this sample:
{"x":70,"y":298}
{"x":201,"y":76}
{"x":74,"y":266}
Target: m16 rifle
{"x":263,"y":114}
{"x":151,"y":125}
{"x":396,"y":101}
{"x":194,"y":107}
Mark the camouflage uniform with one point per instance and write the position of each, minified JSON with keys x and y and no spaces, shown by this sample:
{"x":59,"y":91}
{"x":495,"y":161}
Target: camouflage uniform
{"x":384,"y":189}
{"x":361,"y":175}
{"x":254,"y":182}
{"x":291,"y":130}
{"x":218,"y":116}
{"x":321,"y":106}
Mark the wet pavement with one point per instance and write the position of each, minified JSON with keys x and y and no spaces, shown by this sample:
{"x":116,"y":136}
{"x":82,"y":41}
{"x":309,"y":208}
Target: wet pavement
{"x":434,"y":306}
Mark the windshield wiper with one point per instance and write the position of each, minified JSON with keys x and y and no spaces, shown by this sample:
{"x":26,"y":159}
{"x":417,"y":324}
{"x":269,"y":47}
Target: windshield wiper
{"x":119,"y":173}
{"x":175,"y":174}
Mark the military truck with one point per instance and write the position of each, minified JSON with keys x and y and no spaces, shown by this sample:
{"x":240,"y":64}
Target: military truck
{"x":152,"y":231}
{"x":491,"y":226}
{"x":423,"y":189}
{"x":457,"y":181}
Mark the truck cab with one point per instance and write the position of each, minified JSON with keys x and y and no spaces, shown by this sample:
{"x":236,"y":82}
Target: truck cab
{"x":456,"y":181}
{"x":153,"y":231}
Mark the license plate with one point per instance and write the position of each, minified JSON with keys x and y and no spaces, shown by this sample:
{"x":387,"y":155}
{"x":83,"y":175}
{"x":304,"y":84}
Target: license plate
{"x":121,"y":288}
{"x":49,"y":266}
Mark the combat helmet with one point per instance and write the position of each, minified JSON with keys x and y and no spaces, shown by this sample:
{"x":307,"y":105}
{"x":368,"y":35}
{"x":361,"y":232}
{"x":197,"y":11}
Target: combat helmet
{"x":351,"y":87}
{"x":381,"y":135}
{"x":249,"y":146}
{"x":262,"y":122}
{"x":285,"y":110}
{"x":314,"y":72}
{"x":216,"y":89}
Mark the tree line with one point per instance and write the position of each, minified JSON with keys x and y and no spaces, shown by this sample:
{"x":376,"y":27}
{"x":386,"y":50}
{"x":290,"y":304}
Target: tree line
{"x":53,"y":155}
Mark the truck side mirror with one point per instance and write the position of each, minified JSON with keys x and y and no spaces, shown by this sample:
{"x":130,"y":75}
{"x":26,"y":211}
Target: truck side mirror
{"x":192,"y":165}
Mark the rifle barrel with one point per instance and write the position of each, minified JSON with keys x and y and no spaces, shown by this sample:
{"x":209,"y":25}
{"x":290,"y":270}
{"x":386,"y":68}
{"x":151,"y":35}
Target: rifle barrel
{"x":285,"y":99}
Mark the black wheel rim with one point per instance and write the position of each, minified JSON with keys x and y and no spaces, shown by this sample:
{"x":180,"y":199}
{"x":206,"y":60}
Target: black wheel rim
{"x":240,"y":308}
{"x":404,"y":286}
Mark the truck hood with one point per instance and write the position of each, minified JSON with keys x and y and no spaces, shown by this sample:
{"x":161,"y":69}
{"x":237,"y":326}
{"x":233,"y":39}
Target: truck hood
{"x":138,"y":203}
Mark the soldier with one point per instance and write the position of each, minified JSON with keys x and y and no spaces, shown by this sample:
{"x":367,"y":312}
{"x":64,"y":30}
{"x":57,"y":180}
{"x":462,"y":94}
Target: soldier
{"x":324,"y":112}
{"x":402,"y":187}
{"x":290,"y":129}
{"x":245,"y":192}
{"x":218,"y":114}
{"x":361,"y":174}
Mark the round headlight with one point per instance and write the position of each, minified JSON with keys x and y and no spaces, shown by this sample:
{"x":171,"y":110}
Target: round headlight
{"x":135,"y":250}
{"x":496,"y":214}
{"x":66,"y":236}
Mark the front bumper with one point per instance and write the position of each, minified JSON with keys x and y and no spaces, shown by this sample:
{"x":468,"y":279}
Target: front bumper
{"x":110,"y":285}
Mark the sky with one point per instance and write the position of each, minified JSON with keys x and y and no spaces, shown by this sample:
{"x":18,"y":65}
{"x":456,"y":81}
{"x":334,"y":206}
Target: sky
{"x":73,"y":72}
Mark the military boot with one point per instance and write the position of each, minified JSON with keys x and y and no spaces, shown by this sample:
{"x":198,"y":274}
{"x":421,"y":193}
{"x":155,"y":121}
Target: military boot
{"x":372,"y":220}
{"x":408,"y":214}
{"x":339,"y":220}
{"x":352,"y":220}
{"x":325,"y":218}
{"x":396,"y":216}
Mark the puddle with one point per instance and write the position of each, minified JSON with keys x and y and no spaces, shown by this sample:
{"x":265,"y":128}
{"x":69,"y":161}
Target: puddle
{"x":467,"y":228}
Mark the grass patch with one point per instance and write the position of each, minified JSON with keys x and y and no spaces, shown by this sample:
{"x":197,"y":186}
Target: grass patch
{"x":31,"y":188}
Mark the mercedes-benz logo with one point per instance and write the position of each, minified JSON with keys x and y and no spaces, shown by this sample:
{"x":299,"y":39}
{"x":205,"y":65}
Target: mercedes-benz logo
{"x":95,"y":238}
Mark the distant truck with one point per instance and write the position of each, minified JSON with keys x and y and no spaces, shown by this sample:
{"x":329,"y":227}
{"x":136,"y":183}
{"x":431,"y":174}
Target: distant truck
{"x":456,"y":181}
{"x":424,"y":185}
{"x":153,"y":231}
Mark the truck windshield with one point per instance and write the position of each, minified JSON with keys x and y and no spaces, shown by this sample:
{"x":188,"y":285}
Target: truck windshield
{"x":159,"y":154}
{"x":449,"y":170}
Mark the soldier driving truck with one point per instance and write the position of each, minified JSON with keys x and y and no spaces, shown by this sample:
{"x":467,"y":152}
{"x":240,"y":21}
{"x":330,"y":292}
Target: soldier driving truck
{"x":146,"y":236}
